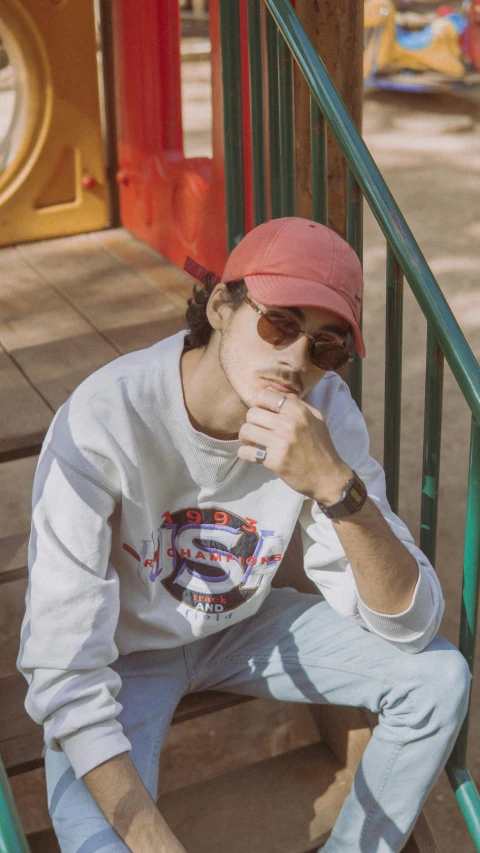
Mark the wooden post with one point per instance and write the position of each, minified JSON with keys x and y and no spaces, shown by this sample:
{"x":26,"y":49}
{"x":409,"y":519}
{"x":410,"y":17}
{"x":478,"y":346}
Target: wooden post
{"x":336,"y":29}
{"x":109,"y":114}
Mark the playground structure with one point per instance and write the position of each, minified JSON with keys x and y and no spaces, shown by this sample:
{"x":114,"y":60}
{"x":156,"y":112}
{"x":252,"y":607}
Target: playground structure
{"x":448,"y":46}
{"x":53,"y":163}
{"x":258,"y":186}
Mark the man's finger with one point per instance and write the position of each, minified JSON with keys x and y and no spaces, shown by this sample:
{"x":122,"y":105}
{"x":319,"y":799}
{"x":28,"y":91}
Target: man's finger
{"x":262,"y":417}
{"x":247,"y":453}
{"x":270,"y":399}
{"x":253,"y":434}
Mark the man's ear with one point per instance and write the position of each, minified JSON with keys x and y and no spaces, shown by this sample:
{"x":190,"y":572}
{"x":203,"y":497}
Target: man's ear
{"x":217,"y":309}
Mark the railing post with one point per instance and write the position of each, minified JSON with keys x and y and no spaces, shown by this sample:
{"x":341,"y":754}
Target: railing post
{"x":12,"y":836}
{"x":287,"y":137}
{"x":431,"y":446}
{"x":468,"y":799}
{"x":256,"y":108}
{"x":471,"y":578}
{"x":460,"y":779}
{"x":393,"y":378}
{"x":468,"y":621}
{"x":232,"y":121}
{"x":355,"y":239}
{"x":318,"y":143}
{"x":273,"y":116}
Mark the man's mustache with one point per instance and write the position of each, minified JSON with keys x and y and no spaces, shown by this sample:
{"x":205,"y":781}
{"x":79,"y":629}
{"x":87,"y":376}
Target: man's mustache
{"x":285,"y":379}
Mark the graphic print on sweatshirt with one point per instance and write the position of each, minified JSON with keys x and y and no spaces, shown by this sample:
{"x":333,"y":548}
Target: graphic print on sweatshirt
{"x":209,"y":559}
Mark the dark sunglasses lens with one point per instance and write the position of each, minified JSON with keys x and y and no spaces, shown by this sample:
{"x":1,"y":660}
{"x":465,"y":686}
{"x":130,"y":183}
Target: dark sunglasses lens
{"x":328,"y":356}
{"x":277,"y":329}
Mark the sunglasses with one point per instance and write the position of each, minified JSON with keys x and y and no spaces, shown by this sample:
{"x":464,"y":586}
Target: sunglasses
{"x":276,"y":328}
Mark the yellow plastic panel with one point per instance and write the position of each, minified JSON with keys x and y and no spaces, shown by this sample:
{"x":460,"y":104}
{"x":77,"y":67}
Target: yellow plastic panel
{"x":54,"y":182}
{"x":61,"y":187}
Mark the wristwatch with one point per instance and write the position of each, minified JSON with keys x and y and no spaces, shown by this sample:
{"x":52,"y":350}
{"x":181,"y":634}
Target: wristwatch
{"x":354,"y":495}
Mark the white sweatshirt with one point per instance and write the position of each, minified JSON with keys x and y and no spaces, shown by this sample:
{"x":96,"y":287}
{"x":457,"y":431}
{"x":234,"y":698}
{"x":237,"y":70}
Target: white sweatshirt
{"x":148,"y":534}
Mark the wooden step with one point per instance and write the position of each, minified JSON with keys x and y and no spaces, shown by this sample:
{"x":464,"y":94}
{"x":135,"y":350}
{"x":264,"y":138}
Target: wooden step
{"x":43,"y":842}
{"x":24,"y":414}
{"x":16,"y":479}
{"x":21,"y":740}
{"x":292,"y":799}
{"x":286,"y":804}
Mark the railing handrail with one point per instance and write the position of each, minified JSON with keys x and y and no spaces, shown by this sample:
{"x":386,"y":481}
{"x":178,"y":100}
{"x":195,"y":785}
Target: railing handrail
{"x":429,"y":296}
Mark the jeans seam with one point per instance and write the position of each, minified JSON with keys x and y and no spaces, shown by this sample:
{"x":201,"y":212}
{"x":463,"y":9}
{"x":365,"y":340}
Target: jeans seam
{"x":188,"y":662}
{"x":378,"y":792}
{"x":294,"y":659}
{"x":205,"y":668}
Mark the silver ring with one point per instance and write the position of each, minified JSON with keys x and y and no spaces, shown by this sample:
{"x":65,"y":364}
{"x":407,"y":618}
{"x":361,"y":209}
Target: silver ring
{"x":281,"y":402}
{"x":260,"y":454}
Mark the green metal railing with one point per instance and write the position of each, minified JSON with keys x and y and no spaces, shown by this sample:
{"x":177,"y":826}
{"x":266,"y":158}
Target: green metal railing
{"x":272,"y":51}
{"x":12,"y":836}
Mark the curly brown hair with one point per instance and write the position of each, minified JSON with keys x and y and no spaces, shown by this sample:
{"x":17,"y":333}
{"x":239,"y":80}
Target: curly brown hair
{"x":196,"y":315}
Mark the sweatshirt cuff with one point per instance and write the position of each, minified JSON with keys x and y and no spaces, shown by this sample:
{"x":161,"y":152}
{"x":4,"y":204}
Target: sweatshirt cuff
{"x":92,"y":745}
{"x":409,"y":626}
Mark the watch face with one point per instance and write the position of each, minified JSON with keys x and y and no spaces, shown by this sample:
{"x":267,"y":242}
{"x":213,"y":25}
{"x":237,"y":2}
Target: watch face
{"x":353,"y":498}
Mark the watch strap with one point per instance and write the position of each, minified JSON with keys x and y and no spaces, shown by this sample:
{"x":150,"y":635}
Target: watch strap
{"x":354,"y":495}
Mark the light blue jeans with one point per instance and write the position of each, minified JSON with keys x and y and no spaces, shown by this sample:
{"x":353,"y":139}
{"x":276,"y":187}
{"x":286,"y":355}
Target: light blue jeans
{"x":296,"y":648}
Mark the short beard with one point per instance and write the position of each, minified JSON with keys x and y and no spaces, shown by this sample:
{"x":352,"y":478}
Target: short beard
{"x":223,"y":360}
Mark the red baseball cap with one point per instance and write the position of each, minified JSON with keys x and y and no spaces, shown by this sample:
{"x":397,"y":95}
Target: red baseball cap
{"x":293,"y":261}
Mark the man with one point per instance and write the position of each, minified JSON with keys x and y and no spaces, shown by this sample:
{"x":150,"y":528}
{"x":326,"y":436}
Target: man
{"x":166,"y":494}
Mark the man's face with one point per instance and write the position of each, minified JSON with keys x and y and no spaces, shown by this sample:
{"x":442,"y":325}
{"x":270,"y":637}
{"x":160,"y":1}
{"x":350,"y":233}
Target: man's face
{"x":250,"y":363}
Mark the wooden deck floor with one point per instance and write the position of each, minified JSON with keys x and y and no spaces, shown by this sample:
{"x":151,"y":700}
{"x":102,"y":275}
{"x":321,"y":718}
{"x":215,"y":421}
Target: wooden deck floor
{"x":67,"y":307}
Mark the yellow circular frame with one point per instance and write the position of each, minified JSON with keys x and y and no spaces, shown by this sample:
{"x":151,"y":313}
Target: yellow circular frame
{"x":33,"y":108}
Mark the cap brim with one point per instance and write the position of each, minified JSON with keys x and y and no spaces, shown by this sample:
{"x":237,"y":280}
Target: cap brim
{"x":288,"y":292}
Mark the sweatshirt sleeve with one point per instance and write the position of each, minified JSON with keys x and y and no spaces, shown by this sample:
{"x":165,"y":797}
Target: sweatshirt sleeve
{"x":72,"y":602}
{"x":326,"y":563}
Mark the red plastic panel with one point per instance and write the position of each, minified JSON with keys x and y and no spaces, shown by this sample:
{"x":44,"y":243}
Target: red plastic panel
{"x":175,"y":204}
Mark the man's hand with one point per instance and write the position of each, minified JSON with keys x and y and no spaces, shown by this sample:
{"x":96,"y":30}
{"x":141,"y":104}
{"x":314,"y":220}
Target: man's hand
{"x":298,"y":444}
{"x":128,"y":807}
{"x":301,"y":452}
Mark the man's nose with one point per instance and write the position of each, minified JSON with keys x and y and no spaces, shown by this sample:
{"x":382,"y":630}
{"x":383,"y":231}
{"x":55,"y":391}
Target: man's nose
{"x":295,"y":355}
